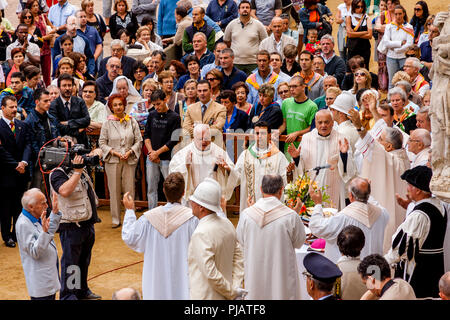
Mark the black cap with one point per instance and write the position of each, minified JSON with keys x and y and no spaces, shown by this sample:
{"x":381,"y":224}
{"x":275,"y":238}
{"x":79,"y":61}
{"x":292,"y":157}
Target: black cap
{"x":321,"y":268}
{"x":419,"y":177}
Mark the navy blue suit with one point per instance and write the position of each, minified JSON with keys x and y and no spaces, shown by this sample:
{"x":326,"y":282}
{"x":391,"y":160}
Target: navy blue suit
{"x":12,"y":183}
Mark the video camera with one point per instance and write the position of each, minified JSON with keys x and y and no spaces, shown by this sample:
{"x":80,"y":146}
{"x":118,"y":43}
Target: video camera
{"x":62,"y":155}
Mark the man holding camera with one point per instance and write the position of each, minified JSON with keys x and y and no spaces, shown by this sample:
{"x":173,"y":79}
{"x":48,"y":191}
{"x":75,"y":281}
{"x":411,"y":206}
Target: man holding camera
{"x":77,"y":203}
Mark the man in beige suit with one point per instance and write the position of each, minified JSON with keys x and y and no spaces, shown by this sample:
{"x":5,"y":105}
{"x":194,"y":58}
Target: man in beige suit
{"x":205,"y":111}
{"x":215,"y":258}
{"x":376,"y":275}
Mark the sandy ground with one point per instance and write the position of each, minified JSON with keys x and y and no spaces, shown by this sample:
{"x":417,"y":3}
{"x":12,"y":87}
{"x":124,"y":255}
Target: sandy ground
{"x":110,"y":252}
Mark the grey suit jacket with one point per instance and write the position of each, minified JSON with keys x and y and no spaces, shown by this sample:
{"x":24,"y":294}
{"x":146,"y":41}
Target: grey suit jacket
{"x":39,"y":255}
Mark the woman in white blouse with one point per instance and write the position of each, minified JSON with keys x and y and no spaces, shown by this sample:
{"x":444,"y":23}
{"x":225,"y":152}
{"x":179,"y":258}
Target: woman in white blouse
{"x":398,"y":37}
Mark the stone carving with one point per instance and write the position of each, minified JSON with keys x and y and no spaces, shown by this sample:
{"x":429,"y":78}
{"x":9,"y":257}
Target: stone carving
{"x":440,"y":108}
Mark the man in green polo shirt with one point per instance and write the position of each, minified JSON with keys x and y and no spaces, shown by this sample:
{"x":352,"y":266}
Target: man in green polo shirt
{"x":298,"y":113}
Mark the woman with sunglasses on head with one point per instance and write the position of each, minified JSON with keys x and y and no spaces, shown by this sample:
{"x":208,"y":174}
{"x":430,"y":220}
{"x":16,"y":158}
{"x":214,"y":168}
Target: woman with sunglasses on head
{"x":362,"y":80}
{"x":34,"y":33}
{"x":419,"y":19}
{"x":215,"y":79}
{"x":359,"y":32}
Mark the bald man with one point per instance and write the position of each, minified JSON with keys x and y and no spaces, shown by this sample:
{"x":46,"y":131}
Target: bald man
{"x":277,"y":40}
{"x":105,"y":82}
{"x":362,"y":212}
{"x":326,"y":146}
{"x":126,"y":294}
{"x":419,"y":143}
{"x":444,"y":286}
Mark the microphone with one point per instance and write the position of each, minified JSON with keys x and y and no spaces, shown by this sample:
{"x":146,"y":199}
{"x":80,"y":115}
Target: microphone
{"x":321,"y":167}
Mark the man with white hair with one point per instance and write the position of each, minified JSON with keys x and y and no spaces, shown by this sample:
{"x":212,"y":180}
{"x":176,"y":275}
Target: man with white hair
{"x":423,"y":118}
{"x":201,"y":159}
{"x":260,"y":158}
{"x":384,"y":160}
{"x":419,"y":143}
{"x":444,"y":286}
{"x":334,"y":65}
{"x":412,"y":67}
{"x":118,"y":50}
{"x":216,"y":266}
{"x":277,"y":41}
{"x":258,"y":226}
{"x":35,"y":232}
{"x":80,"y":44}
{"x":105,"y":82}
{"x":326,"y":147}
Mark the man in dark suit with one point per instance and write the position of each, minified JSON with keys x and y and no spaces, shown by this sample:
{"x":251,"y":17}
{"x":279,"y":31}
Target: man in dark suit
{"x":118,"y":51}
{"x":70,"y":111}
{"x":15,"y":156}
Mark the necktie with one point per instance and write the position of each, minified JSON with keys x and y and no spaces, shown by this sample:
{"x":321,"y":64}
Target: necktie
{"x":13,"y":127}
{"x":203,"y":110}
{"x":67,"y":111}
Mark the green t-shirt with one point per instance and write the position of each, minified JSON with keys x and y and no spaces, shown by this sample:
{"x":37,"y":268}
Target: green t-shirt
{"x":299,"y":116}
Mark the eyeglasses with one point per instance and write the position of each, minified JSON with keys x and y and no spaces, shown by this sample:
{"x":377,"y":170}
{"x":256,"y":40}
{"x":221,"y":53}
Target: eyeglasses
{"x":360,"y":74}
{"x":306,"y":275}
{"x":417,"y":9}
{"x":283,"y":92}
{"x":413,"y":140}
{"x":88,"y":91}
{"x":27,"y":17}
{"x":113,"y":66}
{"x":211,"y":79}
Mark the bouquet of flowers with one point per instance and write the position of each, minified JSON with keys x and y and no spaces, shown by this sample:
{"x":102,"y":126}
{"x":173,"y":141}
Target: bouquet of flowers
{"x":300,"y":189}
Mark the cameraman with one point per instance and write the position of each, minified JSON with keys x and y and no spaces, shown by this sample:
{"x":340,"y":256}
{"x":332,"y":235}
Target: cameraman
{"x":77,"y":203}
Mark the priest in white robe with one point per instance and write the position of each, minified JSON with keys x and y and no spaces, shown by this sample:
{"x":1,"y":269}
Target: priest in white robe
{"x":163,"y":235}
{"x":201,"y":159}
{"x":362,"y":212}
{"x":260,"y":158}
{"x":269,"y":232}
{"x":384,"y":161}
{"x":320,"y":147}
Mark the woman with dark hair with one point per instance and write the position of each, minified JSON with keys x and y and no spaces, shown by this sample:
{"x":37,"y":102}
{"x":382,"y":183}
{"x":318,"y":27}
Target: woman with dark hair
{"x":79,"y":66}
{"x":193,"y":66}
{"x":34,"y":33}
{"x":121,"y":142}
{"x":17,"y":56}
{"x":267,"y":109}
{"x":215,"y":79}
{"x":139,"y":73}
{"x":236,"y":118}
{"x":242,"y":91}
{"x":97,"y":110}
{"x":124,"y":35}
{"x":122,"y":19}
{"x":178,"y":69}
{"x":33,"y":77}
{"x":148,"y":21}
{"x":419,"y":19}
{"x":359,"y":32}
{"x":48,"y":36}
{"x":66,"y":42}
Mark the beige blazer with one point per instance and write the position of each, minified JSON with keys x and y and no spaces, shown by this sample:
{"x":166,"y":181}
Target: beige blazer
{"x":120,"y":137}
{"x":214,"y":116}
{"x":352,"y":286}
{"x":215,"y":257}
{"x":400,"y":290}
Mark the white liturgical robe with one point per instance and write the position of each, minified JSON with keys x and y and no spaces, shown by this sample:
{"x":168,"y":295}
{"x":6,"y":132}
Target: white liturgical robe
{"x":384,"y":170}
{"x":370,"y":218}
{"x":165,"y":270}
{"x":319,"y":151}
{"x":270,"y":264}
{"x":202,"y":166}
{"x":251,"y":167}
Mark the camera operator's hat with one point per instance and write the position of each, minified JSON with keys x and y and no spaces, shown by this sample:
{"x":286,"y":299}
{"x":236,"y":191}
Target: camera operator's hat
{"x":321,"y":268}
{"x":419,"y":177}
{"x":344,"y":102}
{"x":208,"y":194}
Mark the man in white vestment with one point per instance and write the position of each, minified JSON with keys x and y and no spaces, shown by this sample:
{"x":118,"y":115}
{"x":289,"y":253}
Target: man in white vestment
{"x":419,"y":143}
{"x":361,"y":212}
{"x":216,"y":265}
{"x":326,"y":146}
{"x":163,"y":235}
{"x":269,"y":233}
{"x":201,"y":159}
{"x":384,"y":161}
{"x":260,"y":158}
{"x":340,"y":107}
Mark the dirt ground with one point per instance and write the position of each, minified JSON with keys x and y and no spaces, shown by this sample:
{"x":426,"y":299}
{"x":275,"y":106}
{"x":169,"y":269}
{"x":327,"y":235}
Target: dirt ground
{"x":113,"y":264}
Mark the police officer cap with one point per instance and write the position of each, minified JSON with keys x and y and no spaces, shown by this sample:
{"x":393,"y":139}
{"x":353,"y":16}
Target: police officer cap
{"x":419,"y":177}
{"x":321,"y":268}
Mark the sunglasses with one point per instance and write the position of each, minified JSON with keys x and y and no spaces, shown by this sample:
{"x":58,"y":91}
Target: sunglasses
{"x":359,"y":7}
{"x":410,"y":55}
{"x":360,"y":74}
{"x":28,"y":17}
{"x":417,"y":9}
{"x":283,"y":92}
{"x":211,"y":79}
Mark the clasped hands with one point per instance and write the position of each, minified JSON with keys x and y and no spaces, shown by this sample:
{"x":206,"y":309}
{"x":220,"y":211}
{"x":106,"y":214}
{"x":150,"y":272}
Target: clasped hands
{"x":124,"y":156}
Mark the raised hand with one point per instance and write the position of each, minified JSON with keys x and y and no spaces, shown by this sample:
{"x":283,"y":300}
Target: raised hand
{"x":298,"y":205}
{"x":402,"y":202}
{"x":55,"y":208}
{"x":355,"y":118}
{"x":45,"y":221}
{"x":343,"y":145}
{"x":316,"y":195}
{"x":293,"y":151}
{"x":128,"y":201}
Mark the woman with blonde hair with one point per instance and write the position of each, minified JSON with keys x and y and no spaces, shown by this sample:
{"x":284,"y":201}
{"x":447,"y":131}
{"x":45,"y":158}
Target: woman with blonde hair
{"x":121,"y":142}
{"x":190,"y":94}
{"x":424,"y":36}
{"x":362,"y":80}
{"x":66,"y":65}
{"x":140,"y":110}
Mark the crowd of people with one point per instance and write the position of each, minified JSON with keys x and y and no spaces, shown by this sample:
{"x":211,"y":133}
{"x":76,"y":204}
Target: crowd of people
{"x":355,"y":113}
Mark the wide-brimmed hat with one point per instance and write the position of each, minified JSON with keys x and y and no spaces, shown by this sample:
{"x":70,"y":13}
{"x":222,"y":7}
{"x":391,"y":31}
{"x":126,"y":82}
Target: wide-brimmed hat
{"x":344,"y":102}
{"x":208,"y":194}
{"x":419,"y":177}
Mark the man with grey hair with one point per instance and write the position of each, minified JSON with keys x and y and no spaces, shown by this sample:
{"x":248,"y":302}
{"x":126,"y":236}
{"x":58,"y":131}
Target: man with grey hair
{"x":419,"y":143}
{"x":201,"y":50}
{"x":328,"y":82}
{"x":412,"y":67}
{"x":118,"y":50}
{"x":334,"y":65}
{"x":444,"y":286}
{"x":35,"y":232}
{"x":362,"y":212}
{"x":423,"y":119}
{"x":126,"y":294}
{"x":259,"y":225}
{"x":106,"y":81}
{"x":231,"y":74}
{"x":383,"y":161}
{"x":277,"y":41}
{"x":80,"y":44}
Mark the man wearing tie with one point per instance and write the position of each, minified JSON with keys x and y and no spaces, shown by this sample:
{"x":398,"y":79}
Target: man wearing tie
{"x":15,"y":155}
{"x":70,"y":111}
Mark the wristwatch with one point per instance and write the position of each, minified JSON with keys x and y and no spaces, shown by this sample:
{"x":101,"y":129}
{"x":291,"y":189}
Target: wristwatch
{"x":360,"y":129}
